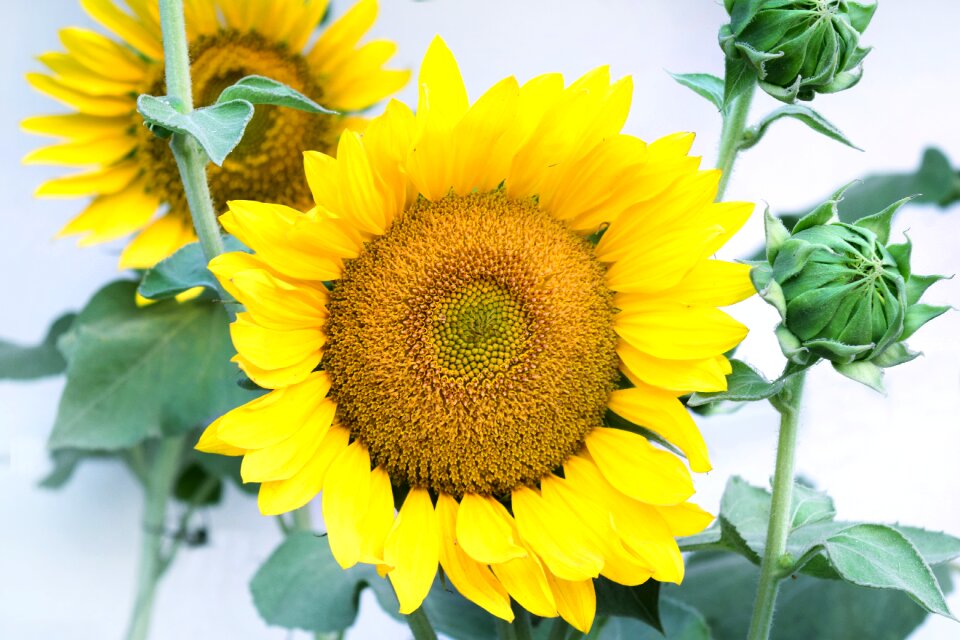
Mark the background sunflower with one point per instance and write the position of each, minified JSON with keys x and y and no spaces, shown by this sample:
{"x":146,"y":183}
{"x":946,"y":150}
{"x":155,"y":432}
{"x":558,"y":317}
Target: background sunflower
{"x":135,"y":175}
{"x":46,"y":278}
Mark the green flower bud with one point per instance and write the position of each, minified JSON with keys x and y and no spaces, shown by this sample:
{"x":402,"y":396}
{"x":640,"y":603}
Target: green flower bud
{"x":798,"y":48}
{"x":843,"y":293}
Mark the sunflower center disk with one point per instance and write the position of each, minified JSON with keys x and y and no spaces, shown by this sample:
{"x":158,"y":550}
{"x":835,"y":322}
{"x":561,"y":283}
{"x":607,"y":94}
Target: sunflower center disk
{"x":267,"y":165}
{"x":471,"y":348}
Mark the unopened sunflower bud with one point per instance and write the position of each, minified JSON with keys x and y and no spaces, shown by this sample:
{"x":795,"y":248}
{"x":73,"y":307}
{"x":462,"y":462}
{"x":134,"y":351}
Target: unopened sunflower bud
{"x":798,"y":48}
{"x":843,"y":293}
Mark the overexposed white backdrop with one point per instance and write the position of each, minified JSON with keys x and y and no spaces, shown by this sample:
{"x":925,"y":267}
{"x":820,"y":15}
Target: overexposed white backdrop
{"x":67,"y":558}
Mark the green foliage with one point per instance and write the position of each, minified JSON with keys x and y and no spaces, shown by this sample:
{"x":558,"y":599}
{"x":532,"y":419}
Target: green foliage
{"x":680,"y":622}
{"x":301,"y":586}
{"x":260,"y":90}
{"x":185,"y":269}
{"x":744,"y":383}
{"x":217,"y":128}
{"x":195,"y":485}
{"x":44,"y":359}
{"x":718,"y":584}
{"x":871,"y":555}
{"x":703,"y":84}
{"x":135,"y":373}
{"x":641,"y":603}
{"x":804,"y":114}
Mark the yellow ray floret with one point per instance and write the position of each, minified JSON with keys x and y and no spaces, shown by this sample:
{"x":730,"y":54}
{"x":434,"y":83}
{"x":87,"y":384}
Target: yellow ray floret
{"x":450,"y":324}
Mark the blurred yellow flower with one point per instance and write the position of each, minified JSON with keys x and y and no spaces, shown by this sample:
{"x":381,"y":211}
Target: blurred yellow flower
{"x":135,"y":175}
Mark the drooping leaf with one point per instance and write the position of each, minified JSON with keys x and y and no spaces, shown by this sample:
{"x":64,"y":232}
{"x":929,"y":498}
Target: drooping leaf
{"x":28,"y":363}
{"x":703,"y":84}
{"x":873,"y":555}
{"x":217,"y":128}
{"x":261,"y":90}
{"x":802,"y":113}
{"x":65,"y":463}
{"x":135,"y":373}
{"x":185,"y":269}
{"x":718,"y":584}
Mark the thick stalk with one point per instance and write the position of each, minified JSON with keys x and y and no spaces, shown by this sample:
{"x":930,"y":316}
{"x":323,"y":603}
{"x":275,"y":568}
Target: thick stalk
{"x":772,"y":572}
{"x":191,"y":159}
{"x":519,"y":629}
{"x":420,"y":625}
{"x":162,"y":474}
{"x":734,"y":123}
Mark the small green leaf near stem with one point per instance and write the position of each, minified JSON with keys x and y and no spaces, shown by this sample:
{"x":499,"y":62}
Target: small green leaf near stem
{"x":734,"y":124}
{"x":787,"y":402}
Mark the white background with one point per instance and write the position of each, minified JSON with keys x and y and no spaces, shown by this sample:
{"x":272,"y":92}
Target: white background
{"x":67,"y":557}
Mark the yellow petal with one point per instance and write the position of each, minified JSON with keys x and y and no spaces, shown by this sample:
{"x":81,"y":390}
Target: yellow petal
{"x":659,"y":261}
{"x":286,"y":458}
{"x":158,"y":241}
{"x":75,"y":75}
{"x":81,"y":100}
{"x":276,"y":348}
{"x":413,"y":550}
{"x":96,"y":51}
{"x":379,"y":519}
{"x":685,"y":519}
{"x":337,"y":41}
{"x":114,"y":215}
{"x":635,"y":467}
{"x":712,"y":283}
{"x":346,"y":493}
{"x":303,"y":21}
{"x":360,"y":199}
{"x":662,"y":413}
{"x":555,"y":534}
{"x":679,"y":376}
{"x":485,"y":530}
{"x":472,"y":579}
{"x":277,"y":378}
{"x":101,"y":181}
{"x":140,"y":36}
{"x":275,"y":416}
{"x":75,"y":126}
{"x":282,"y":496}
{"x":525,"y":579}
{"x":210,"y":443}
{"x":443,"y":96}
{"x":78,"y":153}
{"x":674,"y":331}
{"x":576,"y":601}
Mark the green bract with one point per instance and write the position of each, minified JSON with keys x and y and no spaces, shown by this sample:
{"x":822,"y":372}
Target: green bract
{"x":843,"y":293}
{"x":798,"y":48}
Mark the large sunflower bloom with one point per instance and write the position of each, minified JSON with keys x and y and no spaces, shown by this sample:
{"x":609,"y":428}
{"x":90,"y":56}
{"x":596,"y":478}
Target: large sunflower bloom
{"x":462,"y":358}
{"x":135,"y":175}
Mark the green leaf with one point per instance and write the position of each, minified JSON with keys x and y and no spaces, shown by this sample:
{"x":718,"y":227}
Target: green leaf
{"x":918,"y":315}
{"x":640,"y":603}
{"x":680,"y":622}
{"x":65,"y":463}
{"x":718,"y":584}
{"x":872,"y":555}
{"x":185,"y":269}
{"x":217,"y":128}
{"x":703,"y":84}
{"x":804,"y":114}
{"x":863,"y":372}
{"x":744,"y":383}
{"x":301,"y":586}
{"x":135,"y":373}
{"x":879,"y":223}
{"x":737,"y":77}
{"x":29,"y":363}
{"x":261,"y":90}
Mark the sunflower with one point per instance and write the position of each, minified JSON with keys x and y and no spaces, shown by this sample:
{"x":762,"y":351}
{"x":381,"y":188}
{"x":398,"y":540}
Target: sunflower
{"x":135,"y":175}
{"x":478,"y":295}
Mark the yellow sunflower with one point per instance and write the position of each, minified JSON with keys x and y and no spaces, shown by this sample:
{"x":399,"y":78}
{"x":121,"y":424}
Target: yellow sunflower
{"x":135,"y":175}
{"x":445,"y":332}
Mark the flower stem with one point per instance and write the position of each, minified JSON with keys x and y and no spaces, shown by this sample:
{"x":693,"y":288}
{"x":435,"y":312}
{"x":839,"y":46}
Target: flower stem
{"x":734,"y":123}
{"x":190,"y":157}
{"x":163,"y":472}
{"x":420,"y":625}
{"x":787,"y":402}
{"x":519,"y":629}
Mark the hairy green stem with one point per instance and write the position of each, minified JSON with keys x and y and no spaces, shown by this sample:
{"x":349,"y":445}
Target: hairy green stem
{"x":787,"y":402}
{"x":163,"y":473}
{"x":734,"y":123}
{"x":301,"y":519}
{"x":420,"y":625}
{"x":191,"y":159}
